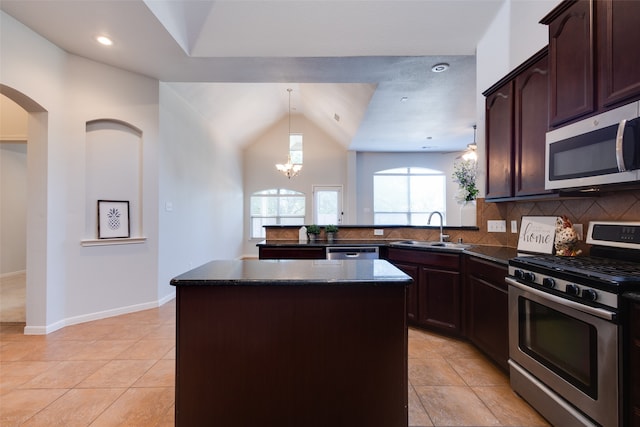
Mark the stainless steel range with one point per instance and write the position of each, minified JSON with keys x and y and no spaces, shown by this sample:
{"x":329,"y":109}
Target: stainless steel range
{"x":566,"y":327}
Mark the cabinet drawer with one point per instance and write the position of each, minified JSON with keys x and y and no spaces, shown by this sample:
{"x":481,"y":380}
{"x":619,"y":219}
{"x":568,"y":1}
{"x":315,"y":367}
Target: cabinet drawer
{"x":489,"y":271}
{"x":435,"y":259}
{"x":317,"y":252}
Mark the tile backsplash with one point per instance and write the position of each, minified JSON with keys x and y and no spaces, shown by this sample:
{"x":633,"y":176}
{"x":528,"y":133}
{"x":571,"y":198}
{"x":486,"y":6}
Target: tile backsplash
{"x":613,"y":206}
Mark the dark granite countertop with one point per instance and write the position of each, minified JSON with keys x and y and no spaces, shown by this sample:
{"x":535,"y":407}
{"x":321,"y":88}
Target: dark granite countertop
{"x":496,"y":254}
{"x":293,"y":273}
{"x":633,"y":296}
{"x":322,"y":243}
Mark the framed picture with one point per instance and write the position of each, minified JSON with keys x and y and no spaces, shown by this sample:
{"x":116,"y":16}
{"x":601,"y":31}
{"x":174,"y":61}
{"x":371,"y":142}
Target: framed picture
{"x":537,"y":234}
{"x":113,"y":219}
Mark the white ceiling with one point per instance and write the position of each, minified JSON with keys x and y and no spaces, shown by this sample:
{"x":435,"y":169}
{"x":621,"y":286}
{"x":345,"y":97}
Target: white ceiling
{"x":234,"y":59}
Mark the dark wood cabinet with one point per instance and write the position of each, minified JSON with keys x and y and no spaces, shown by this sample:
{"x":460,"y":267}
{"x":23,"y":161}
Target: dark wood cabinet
{"x":516,"y":126}
{"x":618,"y":54}
{"x":634,"y":366}
{"x":571,"y":57}
{"x":499,"y":142}
{"x":593,"y":56}
{"x":439,"y":299}
{"x":487,"y":324}
{"x":412,"y":291}
{"x":437,"y":287}
{"x":531,"y":125}
{"x":297,"y":252}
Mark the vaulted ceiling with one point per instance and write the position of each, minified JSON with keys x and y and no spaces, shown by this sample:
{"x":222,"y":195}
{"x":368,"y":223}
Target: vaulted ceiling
{"x":359,"y":69}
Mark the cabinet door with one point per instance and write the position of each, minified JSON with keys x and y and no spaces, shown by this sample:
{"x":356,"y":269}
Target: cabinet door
{"x":571,"y":52}
{"x":439,"y":300}
{"x":412,"y":293}
{"x":489,"y":319}
{"x":634,"y":368}
{"x":618,"y":52}
{"x":499,"y":136}
{"x":531,"y":125}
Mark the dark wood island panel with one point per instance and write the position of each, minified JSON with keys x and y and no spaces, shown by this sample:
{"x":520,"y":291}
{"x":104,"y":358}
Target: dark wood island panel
{"x":324,"y":346}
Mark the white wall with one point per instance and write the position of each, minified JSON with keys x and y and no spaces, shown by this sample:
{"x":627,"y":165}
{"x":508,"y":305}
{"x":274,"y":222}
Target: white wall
{"x":66,"y":282}
{"x":325,"y":163}
{"x":13,"y":207}
{"x":200,"y":199}
{"x":370,"y":163}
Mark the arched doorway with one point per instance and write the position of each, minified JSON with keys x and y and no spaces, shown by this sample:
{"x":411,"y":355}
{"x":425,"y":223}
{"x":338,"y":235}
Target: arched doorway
{"x":36,"y":203}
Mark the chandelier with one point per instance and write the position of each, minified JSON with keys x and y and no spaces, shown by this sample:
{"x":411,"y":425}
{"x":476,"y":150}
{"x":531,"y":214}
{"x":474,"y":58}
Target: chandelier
{"x":289,"y":169}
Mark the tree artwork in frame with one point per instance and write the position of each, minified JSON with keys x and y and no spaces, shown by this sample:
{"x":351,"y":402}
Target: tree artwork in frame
{"x":113,"y":219}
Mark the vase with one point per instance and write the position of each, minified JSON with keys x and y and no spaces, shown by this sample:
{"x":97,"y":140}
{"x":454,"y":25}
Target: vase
{"x":331,"y":235}
{"x":468,"y":214}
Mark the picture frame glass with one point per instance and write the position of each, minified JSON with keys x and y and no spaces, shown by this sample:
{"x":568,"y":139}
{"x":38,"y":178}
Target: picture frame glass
{"x":113,"y":219}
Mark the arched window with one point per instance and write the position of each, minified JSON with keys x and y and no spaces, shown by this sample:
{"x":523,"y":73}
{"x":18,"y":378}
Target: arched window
{"x":277,"y":206}
{"x":406,"y":196}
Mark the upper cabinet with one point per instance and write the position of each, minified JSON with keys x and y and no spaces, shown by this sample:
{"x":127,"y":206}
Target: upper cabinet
{"x":618,"y":33}
{"x":594,"y":57}
{"x":516,"y":125}
{"x":499,"y":137}
{"x":571,"y":49}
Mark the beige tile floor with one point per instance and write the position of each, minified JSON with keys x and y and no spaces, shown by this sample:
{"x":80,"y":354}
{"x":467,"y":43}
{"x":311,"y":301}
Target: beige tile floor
{"x":120,"y":372}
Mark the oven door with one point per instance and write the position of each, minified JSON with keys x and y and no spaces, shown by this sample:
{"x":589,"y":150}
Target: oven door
{"x":563,"y":352}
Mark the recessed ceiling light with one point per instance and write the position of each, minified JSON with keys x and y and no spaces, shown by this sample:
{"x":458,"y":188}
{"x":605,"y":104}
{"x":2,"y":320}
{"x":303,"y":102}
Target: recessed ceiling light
{"x":104,"y":40}
{"x":438,"y":68}
{"x":403,"y":99}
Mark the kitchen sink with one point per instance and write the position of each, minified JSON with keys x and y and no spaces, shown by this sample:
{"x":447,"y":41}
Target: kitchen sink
{"x":435,"y":245}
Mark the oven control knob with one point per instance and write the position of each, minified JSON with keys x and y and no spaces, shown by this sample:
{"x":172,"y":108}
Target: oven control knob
{"x":528,"y":276}
{"x":519,"y":274}
{"x":548,"y":282}
{"x":572,"y":289}
{"x":589,"y":295}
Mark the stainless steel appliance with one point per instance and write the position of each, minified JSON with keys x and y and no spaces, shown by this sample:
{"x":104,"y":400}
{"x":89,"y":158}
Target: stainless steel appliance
{"x":352,"y":252}
{"x":566,"y":327}
{"x":599,"y":150}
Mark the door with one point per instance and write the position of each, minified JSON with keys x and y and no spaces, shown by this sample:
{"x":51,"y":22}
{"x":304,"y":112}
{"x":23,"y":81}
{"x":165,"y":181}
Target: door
{"x":327,"y":204}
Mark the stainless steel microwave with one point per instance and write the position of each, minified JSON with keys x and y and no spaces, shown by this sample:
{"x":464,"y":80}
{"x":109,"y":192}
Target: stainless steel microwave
{"x":599,"y":150}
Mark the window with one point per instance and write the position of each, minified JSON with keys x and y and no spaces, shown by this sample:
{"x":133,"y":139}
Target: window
{"x":276,"y":207}
{"x":295,"y":148}
{"x":406,"y":196}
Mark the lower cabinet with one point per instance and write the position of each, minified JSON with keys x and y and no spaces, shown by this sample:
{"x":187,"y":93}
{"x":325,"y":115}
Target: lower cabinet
{"x":487,"y":323}
{"x":435,"y":298}
{"x":634,"y":366}
{"x":292,"y":252}
{"x":412,"y":292}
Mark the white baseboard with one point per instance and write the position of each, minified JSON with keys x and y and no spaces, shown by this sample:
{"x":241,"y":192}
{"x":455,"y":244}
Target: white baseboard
{"x":43,"y":330}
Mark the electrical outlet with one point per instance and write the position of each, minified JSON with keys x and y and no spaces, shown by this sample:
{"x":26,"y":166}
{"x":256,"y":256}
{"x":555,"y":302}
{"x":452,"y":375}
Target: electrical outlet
{"x":378,"y":232}
{"x":496,"y":226}
{"x":514,"y":226}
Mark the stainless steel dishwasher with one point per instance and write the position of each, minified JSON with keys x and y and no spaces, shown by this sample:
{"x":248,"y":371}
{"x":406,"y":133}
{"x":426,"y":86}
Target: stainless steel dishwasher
{"x":352,"y":252}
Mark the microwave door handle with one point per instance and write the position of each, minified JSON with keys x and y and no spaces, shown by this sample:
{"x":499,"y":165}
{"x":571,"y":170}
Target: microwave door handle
{"x":619,"y":145}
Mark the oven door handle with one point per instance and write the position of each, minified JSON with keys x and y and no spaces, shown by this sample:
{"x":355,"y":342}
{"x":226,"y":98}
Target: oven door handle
{"x":598,"y":312}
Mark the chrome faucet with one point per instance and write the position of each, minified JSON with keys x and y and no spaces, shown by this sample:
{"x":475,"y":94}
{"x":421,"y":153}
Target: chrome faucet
{"x":442,"y":235}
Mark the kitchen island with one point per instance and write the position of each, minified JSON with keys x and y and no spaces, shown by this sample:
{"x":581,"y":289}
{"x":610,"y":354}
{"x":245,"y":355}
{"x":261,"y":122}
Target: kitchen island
{"x":291,"y":343}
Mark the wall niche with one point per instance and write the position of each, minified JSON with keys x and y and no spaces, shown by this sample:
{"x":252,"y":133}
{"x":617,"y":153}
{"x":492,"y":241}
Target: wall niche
{"x":113,"y":159}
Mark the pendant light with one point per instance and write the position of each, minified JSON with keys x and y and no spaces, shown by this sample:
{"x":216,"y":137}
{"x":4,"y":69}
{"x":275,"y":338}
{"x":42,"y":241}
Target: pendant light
{"x":471,"y":148}
{"x":289,"y":169}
